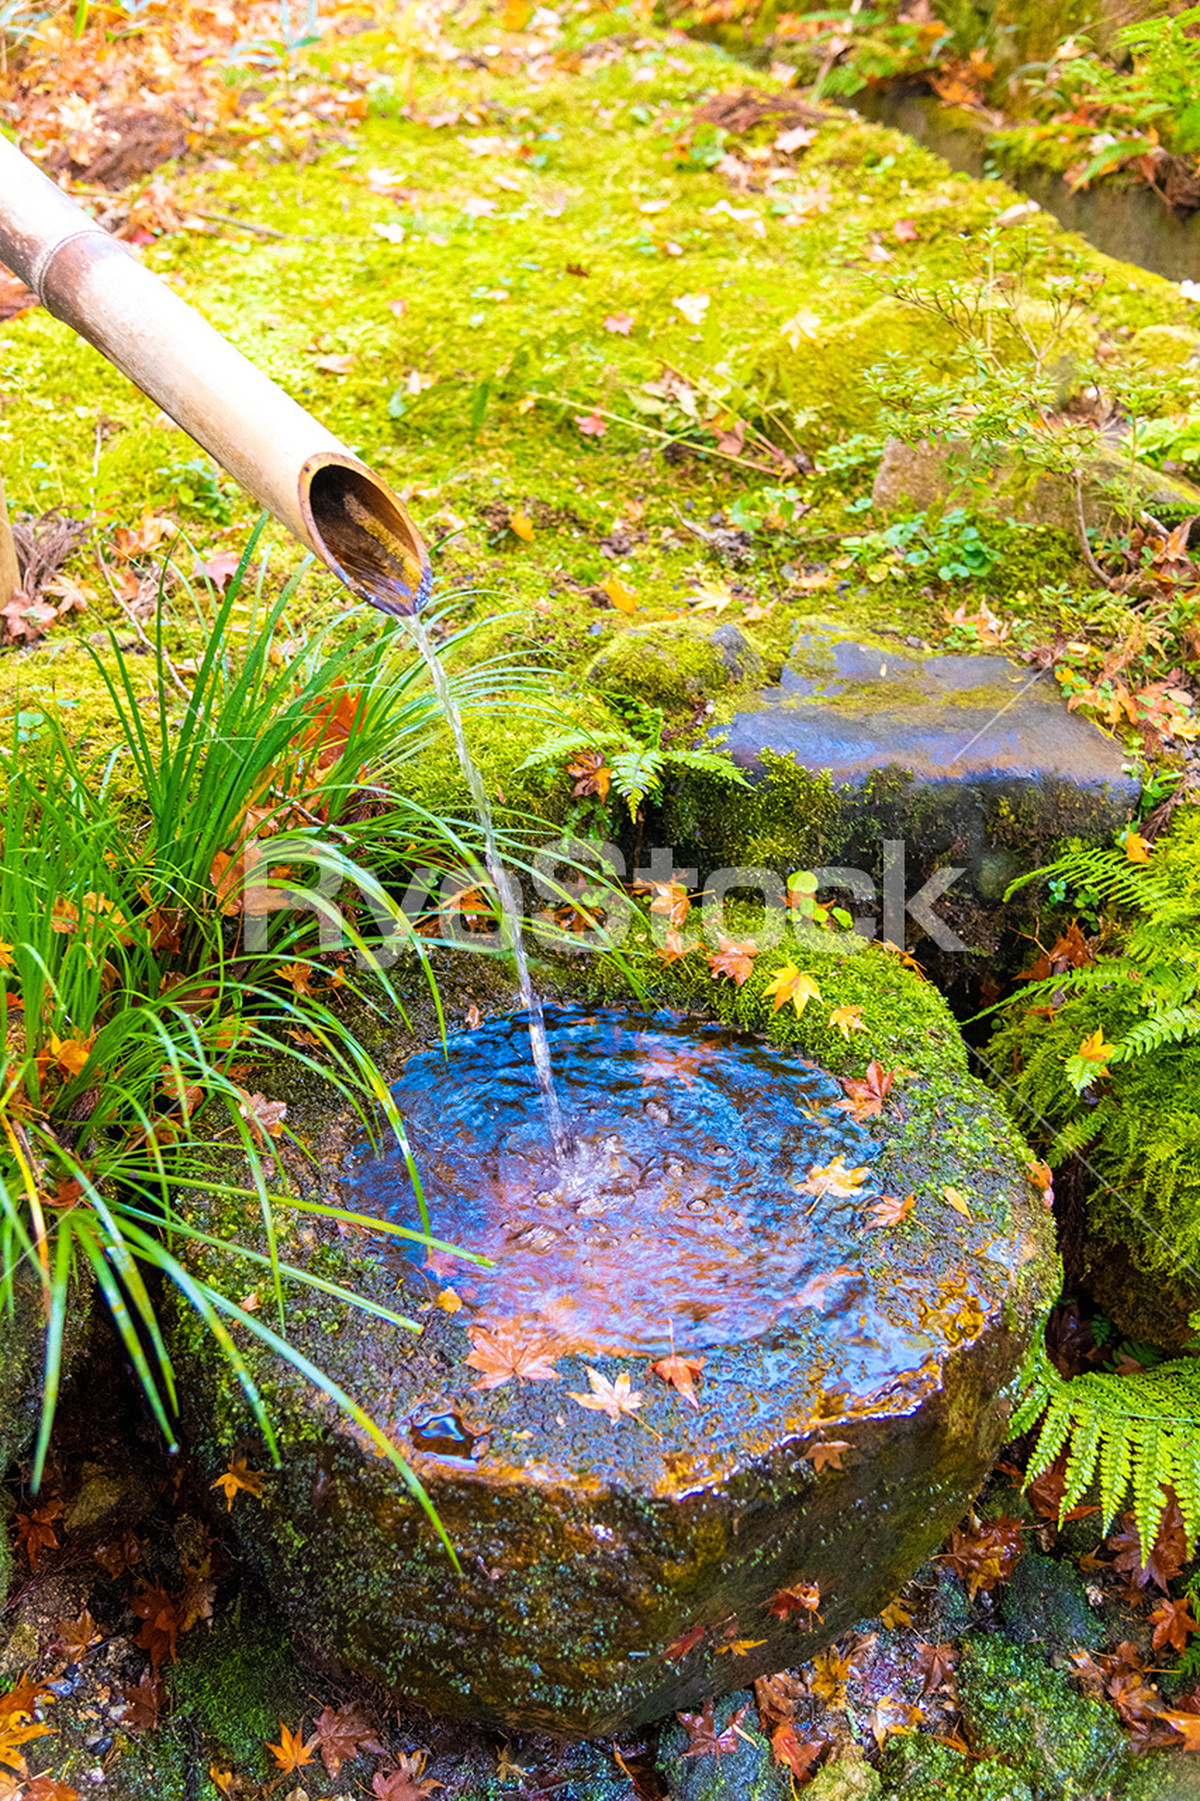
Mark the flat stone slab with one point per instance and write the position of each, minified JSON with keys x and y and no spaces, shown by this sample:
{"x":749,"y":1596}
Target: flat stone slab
{"x":973,"y":758}
{"x":630,"y":1545}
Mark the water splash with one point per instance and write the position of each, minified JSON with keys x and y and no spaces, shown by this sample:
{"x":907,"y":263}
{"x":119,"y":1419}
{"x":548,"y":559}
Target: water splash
{"x":691,"y":1208}
{"x":510,"y":908}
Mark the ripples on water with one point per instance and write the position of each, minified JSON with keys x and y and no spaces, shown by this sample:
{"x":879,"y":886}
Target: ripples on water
{"x":687,"y":1206}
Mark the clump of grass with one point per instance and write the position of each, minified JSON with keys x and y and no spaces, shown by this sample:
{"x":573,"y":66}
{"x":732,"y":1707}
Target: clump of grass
{"x":152,"y":954}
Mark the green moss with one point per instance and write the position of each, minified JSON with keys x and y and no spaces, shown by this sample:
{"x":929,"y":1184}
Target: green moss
{"x":918,"y":1769}
{"x":675,"y":664}
{"x":236,"y":1683}
{"x":1066,"y":1746}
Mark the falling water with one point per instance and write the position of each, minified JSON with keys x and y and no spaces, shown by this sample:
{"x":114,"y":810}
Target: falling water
{"x":510,"y":910}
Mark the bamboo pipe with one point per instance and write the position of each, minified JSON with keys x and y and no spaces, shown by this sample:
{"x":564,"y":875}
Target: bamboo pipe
{"x":279,"y":453}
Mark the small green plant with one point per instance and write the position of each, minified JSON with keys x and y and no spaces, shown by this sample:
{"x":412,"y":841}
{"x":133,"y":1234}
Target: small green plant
{"x":195,"y":487}
{"x":950,"y":547}
{"x":771,"y":507}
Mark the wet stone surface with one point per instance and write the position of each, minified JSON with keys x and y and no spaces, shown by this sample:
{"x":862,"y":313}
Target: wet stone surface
{"x":975,"y":760}
{"x":624,"y":1549}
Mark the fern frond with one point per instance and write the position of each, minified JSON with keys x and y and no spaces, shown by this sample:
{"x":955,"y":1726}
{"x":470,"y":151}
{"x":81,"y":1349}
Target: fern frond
{"x":1076,"y":1136}
{"x":1172,"y":1027}
{"x":1138,"y":1432}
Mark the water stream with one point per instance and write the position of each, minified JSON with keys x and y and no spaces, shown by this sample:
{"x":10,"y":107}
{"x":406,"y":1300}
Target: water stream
{"x":509,"y":906}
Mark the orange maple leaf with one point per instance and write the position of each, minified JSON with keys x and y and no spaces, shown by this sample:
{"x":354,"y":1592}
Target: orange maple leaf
{"x":503,"y":1351}
{"x":681,"y":1373}
{"x":734,"y":959}
{"x":890,"y":1210}
{"x":791,"y":984}
{"x":236,"y":1477}
{"x":866,"y":1097}
{"x":292,"y":1751}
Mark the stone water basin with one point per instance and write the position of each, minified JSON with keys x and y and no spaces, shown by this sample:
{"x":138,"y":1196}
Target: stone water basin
{"x":851,"y":1380}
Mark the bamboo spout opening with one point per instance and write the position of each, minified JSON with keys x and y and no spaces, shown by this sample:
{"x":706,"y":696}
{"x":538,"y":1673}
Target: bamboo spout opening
{"x":363,"y":533}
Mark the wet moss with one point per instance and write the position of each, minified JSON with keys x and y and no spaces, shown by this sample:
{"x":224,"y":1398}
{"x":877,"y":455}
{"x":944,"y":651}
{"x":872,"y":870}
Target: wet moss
{"x":1065,"y":1745}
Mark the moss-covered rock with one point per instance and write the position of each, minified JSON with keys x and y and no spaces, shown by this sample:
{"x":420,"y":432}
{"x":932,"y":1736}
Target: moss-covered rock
{"x":919,"y":1769}
{"x":971,"y":769}
{"x":1044,"y":1602}
{"x":932,"y":474}
{"x":1063,"y":1744}
{"x":677,"y":663}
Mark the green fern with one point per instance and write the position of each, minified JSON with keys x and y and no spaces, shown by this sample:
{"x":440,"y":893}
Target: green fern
{"x":1136,"y":1434}
{"x":1133,"y":1110}
{"x":638,"y":766}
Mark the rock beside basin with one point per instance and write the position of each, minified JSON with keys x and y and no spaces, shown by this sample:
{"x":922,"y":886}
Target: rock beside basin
{"x":625,"y":1560}
{"x":971,"y":760}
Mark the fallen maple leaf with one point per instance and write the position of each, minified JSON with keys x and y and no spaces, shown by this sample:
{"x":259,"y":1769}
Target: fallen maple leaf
{"x":740,"y":1647}
{"x":621,"y":323}
{"x":847,"y":1020}
{"x":405,"y":1782}
{"x":593,"y":775}
{"x":866,"y":1097}
{"x":592,"y":426}
{"x":35,"y":1530}
{"x":834,"y":1178}
{"x":520,"y":525}
{"x":503,"y":1351}
{"x":895,"y":1614}
{"x":160,"y":1624}
{"x":687,"y":1642}
{"x":734,"y":959}
{"x":890,"y":1210}
{"x":612,"y":1398}
{"x":48,"y":1788}
{"x":143,"y":1704}
{"x":798,"y":1756}
{"x":261,"y":1115}
{"x":1137,"y":849}
{"x":703,"y":1738}
{"x":826,"y":1454}
{"x":335,"y":365}
{"x":681,"y":1373}
{"x":74,"y":1638}
{"x":1094,"y":1050}
{"x":1186,"y":1724}
{"x":796,"y":1597}
{"x":791,"y":984}
{"x":1172,"y":1622}
{"x":936,"y":1664}
{"x":236,"y":1477}
{"x":905,"y":231}
{"x":342,"y":1733}
{"x":892,"y":1715}
{"x":291,"y":1753}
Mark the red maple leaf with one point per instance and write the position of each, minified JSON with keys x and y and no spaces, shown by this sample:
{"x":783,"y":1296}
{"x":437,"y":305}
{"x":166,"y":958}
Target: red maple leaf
{"x":796,"y":1597}
{"x":866,"y":1097}
{"x":703,"y":1738}
{"x":342,"y":1732}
